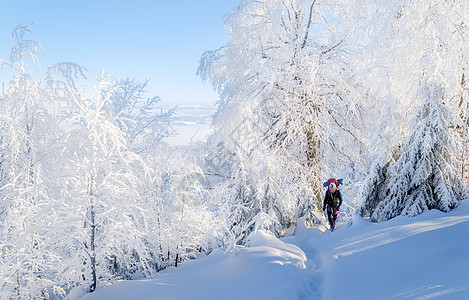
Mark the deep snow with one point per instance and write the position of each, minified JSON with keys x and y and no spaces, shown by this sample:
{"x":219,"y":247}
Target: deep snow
{"x":425,"y":257}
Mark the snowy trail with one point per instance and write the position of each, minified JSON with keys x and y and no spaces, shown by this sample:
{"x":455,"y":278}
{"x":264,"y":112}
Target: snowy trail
{"x":426,"y":257}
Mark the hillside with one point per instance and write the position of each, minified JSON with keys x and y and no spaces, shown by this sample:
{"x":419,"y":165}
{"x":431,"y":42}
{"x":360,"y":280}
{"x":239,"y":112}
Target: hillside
{"x":426,"y":257}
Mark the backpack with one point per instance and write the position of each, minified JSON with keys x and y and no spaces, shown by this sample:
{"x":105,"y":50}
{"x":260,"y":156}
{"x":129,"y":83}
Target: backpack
{"x":337,"y":182}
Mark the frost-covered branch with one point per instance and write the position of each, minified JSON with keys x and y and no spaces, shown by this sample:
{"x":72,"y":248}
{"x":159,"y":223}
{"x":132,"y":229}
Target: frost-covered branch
{"x":309,"y":24}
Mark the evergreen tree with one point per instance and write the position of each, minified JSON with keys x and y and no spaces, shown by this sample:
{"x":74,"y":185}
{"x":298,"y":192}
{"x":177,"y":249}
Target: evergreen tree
{"x":383,"y":148}
{"x":408,"y":42}
{"x":424,"y":177}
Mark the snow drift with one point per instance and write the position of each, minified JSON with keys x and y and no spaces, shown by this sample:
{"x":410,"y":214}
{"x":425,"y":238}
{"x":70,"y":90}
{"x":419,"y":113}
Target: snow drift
{"x":425,"y":257}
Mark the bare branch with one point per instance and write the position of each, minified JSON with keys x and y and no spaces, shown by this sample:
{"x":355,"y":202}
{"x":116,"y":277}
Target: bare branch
{"x":337,"y":45}
{"x":309,"y":24}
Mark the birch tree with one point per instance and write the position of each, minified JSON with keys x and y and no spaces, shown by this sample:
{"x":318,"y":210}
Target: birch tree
{"x":145,"y":123}
{"x":286,"y":101}
{"x":104,"y":217}
{"x":30,"y":115}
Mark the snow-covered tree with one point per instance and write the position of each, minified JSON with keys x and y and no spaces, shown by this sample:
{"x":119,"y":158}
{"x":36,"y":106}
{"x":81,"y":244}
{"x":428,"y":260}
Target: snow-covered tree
{"x":286,"y":104}
{"x":424,"y":176}
{"x":402,"y":42}
{"x":78,"y":207}
{"x":144,"y":123}
{"x":405,"y":43}
{"x":30,"y":118}
{"x":184,"y":217}
{"x":103,"y":215}
{"x":383,"y":149}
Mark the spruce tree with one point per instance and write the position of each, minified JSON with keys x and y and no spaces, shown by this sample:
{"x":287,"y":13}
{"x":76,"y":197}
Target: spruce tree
{"x":424,"y":177}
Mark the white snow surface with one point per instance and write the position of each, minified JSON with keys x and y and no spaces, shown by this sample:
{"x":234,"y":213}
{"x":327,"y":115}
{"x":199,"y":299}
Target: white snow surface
{"x":425,"y":257}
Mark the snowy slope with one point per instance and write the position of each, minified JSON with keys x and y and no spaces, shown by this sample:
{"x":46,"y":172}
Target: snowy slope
{"x":425,"y":257}
{"x":405,"y":258}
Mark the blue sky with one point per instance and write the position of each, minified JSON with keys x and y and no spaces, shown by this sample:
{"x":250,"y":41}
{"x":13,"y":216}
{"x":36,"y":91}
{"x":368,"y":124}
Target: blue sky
{"x":157,"y":40}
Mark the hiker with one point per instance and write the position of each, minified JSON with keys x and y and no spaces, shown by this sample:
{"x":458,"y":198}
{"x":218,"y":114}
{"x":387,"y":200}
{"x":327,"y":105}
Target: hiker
{"x":332,"y":201}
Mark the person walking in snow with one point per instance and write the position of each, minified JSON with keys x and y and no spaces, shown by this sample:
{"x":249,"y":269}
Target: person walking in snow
{"x":332,"y":201}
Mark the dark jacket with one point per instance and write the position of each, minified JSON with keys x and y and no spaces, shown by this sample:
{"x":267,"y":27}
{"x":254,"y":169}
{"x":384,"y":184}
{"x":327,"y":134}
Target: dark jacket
{"x":329,"y":199}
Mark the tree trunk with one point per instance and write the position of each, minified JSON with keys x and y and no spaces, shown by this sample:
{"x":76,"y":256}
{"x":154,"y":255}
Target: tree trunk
{"x":93,"y":252}
{"x":92,"y":234}
{"x":314,"y":163}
